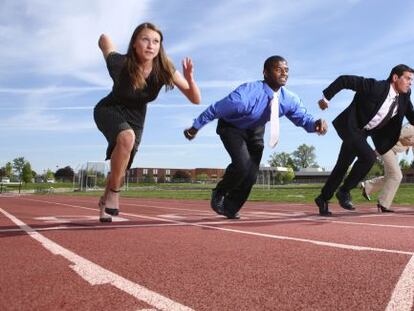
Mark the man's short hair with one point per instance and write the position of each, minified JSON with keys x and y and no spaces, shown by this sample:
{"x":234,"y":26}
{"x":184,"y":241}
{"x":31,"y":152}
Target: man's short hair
{"x":272,"y":61}
{"x":399,"y":71}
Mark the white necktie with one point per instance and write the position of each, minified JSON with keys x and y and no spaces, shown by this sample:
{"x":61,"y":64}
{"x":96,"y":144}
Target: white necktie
{"x":274,"y":120}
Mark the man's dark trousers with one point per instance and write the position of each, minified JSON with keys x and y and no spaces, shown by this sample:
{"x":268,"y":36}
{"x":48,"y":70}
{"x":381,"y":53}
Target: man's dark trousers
{"x":356,"y":148}
{"x":245,"y":147}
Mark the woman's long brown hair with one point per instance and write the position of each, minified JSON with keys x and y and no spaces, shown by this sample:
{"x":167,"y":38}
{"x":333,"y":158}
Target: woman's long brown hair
{"x":162,"y":67}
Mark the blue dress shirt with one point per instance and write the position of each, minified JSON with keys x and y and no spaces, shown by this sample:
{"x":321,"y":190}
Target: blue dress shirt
{"x":248,"y":107}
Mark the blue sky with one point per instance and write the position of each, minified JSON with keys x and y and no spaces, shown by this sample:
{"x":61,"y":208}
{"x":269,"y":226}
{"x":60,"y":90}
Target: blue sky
{"x":52,"y":73}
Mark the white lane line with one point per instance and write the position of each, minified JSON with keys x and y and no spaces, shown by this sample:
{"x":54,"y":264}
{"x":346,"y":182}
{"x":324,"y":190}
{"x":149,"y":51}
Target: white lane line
{"x":150,"y":225}
{"x":11,"y":230}
{"x":192,"y":210}
{"x":65,"y":227}
{"x":370,"y":224}
{"x":309,"y":218}
{"x":96,"y":275}
{"x":402,"y":298}
{"x":67,"y":219}
{"x":252,"y":212}
{"x":316,"y":242}
{"x":222,"y":221}
{"x":272,"y":236}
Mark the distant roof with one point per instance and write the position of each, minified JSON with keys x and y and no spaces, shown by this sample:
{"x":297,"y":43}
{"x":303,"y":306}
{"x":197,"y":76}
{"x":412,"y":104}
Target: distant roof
{"x":311,"y":169}
{"x":274,"y":169}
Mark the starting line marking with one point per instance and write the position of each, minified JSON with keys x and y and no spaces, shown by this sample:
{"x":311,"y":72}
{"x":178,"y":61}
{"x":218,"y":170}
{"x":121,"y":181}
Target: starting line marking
{"x":74,"y":218}
{"x":173,"y":216}
{"x":97,"y":275}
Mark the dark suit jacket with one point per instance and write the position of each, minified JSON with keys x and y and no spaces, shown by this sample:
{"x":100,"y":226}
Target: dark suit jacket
{"x":370,"y":95}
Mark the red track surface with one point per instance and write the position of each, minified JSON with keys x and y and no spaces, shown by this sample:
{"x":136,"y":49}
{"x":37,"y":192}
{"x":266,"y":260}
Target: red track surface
{"x":179,"y":255}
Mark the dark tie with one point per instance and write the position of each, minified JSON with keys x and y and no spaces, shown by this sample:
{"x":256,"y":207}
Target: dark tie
{"x":389,"y":114}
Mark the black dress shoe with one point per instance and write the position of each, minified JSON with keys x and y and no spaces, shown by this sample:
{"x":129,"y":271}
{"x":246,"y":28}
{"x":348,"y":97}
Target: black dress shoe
{"x":344,"y":199}
{"x":217,"y":202}
{"x":364,"y":192}
{"x":323,"y":206}
{"x":383,"y":209}
{"x":230,"y":208}
{"x":231,"y":215}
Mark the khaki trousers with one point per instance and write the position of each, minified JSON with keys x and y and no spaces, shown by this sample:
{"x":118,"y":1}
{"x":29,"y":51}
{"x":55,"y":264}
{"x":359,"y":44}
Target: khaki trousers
{"x":389,"y":183}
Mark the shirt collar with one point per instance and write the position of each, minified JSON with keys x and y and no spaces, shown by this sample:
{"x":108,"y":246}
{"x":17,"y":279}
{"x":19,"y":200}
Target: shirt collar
{"x":392,"y":93}
{"x":270,"y":92}
{"x":276,"y":94}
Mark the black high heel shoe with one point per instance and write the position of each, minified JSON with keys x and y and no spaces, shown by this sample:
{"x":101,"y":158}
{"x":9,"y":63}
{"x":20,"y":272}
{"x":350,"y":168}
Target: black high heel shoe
{"x":103,"y":217}
{"x":383,"y":209}
{"x":112,"y":211}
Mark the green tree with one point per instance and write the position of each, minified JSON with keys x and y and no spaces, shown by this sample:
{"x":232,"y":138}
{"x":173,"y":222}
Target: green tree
{"x":289,"y":175}
{"x":304,"y":156}
{"x":376,"y":170}
{"x":66,"y":174}
{"x":181,"y":176}
{"x":9,"y":169}
{"x":284,"y":177}
{"x":27,"y":174}
{"x":281,"y":159}
{"x":149,"y":179}
{"x":404,"y":164}
{"x":202,"y":177}
{"x":49,"y":174}
{"x":18,"y":165}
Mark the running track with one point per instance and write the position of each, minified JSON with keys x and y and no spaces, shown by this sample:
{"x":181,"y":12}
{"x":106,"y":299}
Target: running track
{"x":178,"y":255}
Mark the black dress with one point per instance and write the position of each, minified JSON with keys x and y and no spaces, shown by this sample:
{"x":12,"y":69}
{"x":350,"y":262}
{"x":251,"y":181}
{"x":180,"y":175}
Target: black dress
{"x":124,"y":108}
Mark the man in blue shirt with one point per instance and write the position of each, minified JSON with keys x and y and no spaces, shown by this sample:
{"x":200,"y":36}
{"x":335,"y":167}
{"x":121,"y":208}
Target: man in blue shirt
{"x":242,"y":116}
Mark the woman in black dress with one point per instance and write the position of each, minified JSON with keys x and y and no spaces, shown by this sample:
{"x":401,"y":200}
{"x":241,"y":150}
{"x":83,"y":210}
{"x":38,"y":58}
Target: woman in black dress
{"x":138,"y":77}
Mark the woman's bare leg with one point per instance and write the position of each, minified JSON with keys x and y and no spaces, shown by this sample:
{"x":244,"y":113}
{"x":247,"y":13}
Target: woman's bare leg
{"x":119,"y":161}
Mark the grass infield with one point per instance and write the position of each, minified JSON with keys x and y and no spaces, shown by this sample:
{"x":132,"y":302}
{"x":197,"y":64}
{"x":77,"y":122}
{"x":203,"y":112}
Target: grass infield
{"x":292,"y":193}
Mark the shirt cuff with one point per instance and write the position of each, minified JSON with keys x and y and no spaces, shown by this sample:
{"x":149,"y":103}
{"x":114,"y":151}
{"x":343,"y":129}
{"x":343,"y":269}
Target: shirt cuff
{"x":197,"y":125}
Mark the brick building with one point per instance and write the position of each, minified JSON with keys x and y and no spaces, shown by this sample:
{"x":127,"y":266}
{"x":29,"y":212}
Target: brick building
{"x":161,"y":175}
{"x":265,"y":174}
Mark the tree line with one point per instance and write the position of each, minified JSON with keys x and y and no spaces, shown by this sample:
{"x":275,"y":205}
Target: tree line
{"x":20,"y":170}
{"x":304,"y":157}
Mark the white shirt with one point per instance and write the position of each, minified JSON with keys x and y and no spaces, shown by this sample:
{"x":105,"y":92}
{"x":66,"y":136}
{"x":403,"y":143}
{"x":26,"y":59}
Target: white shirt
{"x":383,"y":111}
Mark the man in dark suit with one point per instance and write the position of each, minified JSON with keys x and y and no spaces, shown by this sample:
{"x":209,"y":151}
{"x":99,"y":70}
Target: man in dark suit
{"x":377,"y":110}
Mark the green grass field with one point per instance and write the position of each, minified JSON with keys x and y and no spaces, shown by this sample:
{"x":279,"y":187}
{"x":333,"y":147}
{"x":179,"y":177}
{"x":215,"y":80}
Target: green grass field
{"x":298,"y":193}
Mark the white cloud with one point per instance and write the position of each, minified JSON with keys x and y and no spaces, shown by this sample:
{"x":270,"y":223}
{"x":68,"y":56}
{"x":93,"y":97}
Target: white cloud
{"x":61,"y":38}
{"x":244,"y":20}
{"x":34,"y":121}
{"x":50,"y":108}
{"x":51,"y":89}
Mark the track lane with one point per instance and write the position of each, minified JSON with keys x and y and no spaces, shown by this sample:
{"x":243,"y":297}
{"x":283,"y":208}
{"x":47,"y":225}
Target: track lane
{"x":231,"y":255}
